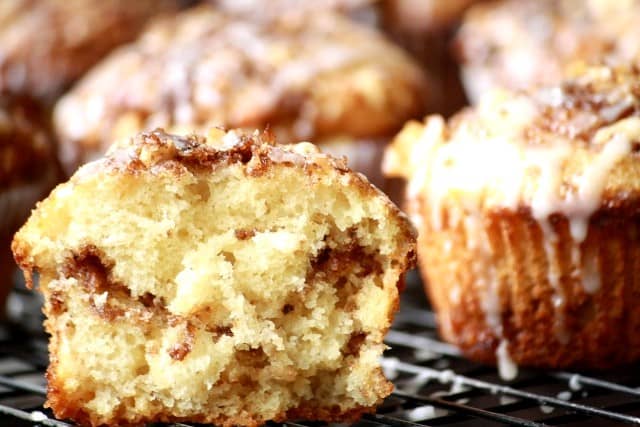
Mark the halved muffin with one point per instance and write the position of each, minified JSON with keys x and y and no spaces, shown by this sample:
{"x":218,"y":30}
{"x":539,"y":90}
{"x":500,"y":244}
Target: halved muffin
{"x":528,"y":211}
{"x":222,"y":280}
{"x":306,"y":76}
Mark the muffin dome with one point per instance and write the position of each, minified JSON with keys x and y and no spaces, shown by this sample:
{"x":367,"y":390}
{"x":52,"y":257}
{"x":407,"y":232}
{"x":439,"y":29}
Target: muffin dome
{"x":528,"y":207}
{"x":307,"y":76}
{"x":520,"y":43}
{"x":46,"y":45}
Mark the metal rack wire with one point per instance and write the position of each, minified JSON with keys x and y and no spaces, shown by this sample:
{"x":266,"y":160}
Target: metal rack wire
{"x":434,"y":385}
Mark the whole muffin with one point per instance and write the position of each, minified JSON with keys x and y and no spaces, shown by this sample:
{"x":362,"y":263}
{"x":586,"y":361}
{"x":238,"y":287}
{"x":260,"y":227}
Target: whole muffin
{"x":221,"y":280}
{"x":28,"y":170}
{"x":520,"y":43}
{"x":307,"y":76}
{"x":528,"y":211}
{"x":45,"y":45}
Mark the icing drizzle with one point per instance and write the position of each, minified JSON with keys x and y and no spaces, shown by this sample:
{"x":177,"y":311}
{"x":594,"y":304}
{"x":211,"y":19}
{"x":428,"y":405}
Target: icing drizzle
{"x":553,"y":150}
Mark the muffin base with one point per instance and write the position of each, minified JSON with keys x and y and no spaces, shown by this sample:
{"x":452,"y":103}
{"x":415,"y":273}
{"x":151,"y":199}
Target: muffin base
{"x":490,"y":281}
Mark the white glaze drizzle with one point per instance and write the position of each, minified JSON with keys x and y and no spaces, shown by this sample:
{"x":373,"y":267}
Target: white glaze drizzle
{"x":457,"y":386}
{"x":421,"y":413}
{"x":546,"y":200}
{"x":576,"y":262}
{"x":500,"y":172}
{"x":591,"y":183}
{"x":38,"y":417}
{"x":591,"y":280}
{"x":558,"y":300}
{"x":574,"y":382}
{"x":507,"y":400}
{"x":507,"y":369}
{"x":390,"y":368}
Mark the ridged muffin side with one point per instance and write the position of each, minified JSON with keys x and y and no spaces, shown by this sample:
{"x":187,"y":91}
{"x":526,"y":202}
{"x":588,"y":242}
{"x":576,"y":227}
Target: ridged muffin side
{"x":499,"y":291}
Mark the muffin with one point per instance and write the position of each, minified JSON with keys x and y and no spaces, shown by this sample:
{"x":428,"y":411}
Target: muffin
{"x":223,"y":280}
{"x":528,"y":213}
{"x":425,"y":28}
{"x":28,"y":170}
{"x":47,"y":44}
{"x":517,"y":44}
{"x":306,"y":76}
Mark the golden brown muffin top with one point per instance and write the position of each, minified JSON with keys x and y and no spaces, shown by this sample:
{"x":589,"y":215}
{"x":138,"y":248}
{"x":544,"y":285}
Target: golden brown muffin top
{"x":159,"y":151}
{"x":520,"y":43}
{"x":568,"y":149}
{"x":303,"y":75}
{"x":26,"y":145}
{"x":47,"y":44}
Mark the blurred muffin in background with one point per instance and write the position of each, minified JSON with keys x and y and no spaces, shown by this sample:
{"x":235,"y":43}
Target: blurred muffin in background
{"x":520,"y":43}
{"x":306,"y":76}
{"x":45,"y":45}
{"x":425,"y":28}
{"x":28,"y":170}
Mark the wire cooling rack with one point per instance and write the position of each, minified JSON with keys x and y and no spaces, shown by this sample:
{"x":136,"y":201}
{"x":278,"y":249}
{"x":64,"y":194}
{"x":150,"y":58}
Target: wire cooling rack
{"x":434,"y":385}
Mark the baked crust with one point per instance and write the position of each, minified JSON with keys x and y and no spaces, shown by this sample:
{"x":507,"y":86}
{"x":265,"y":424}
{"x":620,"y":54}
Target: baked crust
{"x":45,"y":45}
{"x":306,"y":76}
{"x":527,"y":207}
